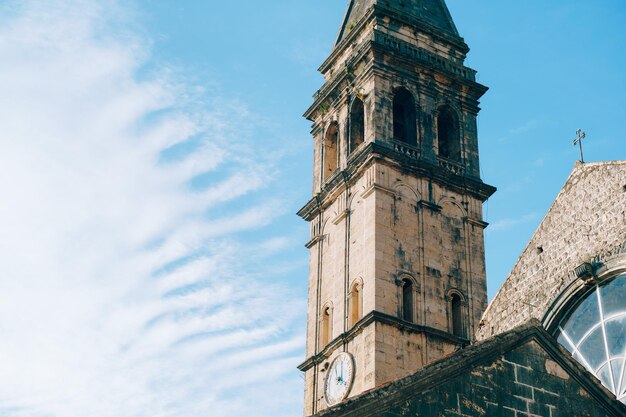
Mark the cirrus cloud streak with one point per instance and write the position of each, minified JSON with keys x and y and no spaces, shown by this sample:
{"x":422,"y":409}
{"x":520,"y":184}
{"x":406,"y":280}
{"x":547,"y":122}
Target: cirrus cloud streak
{"x":122,"y":292}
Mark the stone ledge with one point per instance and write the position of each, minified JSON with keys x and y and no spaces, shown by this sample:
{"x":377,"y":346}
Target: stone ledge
{"x":379,"y":151}
{"x":372,"y":318}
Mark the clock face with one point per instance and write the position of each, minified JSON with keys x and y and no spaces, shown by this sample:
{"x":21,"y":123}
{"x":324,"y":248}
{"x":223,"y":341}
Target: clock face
{"x":339,"y":378}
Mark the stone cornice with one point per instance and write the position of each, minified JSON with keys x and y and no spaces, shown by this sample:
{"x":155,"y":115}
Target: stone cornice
{"x":477,"y":222}
{"x":385,"y":153}
{"x":336,"y":81}
{"x":377,"y":317}
{"x":431,"y":206}
{"x":457,"y":41}
{"x":385,"y":43}
{"x":313,"y":242}
{"x":391,"y":44}
{"x":382,"y":11}
{"x":378,"y":40}
{"x":341,"y":46}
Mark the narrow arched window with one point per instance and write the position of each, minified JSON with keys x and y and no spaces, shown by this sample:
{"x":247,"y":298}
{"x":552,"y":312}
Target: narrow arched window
{"x":456,"y":310}
{"x":330,"y":155}
{"x":407,"y":300}
{"x":326,"y":327}
{"x":448,"y":135}
{"x":356,"y":303}
{"x":404,"y":126}
{"x":357,"y":124}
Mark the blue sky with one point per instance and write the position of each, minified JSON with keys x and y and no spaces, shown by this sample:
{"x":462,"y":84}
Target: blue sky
{"x":153,"y":156}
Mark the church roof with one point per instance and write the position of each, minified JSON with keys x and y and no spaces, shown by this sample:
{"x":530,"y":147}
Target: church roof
{"x":527,"y":350}
{"x":433,"y":13}
{"x":586,"y":222}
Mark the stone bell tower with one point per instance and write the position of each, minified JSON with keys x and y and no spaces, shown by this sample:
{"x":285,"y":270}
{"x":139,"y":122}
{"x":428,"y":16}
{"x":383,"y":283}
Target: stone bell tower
{"x":397,"y":266}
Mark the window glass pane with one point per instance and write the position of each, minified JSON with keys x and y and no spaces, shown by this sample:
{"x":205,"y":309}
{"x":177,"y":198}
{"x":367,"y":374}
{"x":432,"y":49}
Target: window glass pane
{"x":593,"y":350}
{"x":616,"y":364}
{"x":586,"y":315}
{"x":563,"y":340}
{"x":605,"y":377}
{"x":616,"y":336}
{"x":614,"y":297}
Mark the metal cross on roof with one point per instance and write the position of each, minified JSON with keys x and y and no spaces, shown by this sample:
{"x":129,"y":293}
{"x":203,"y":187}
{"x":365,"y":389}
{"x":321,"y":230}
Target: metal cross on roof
{"x":579,"y":141}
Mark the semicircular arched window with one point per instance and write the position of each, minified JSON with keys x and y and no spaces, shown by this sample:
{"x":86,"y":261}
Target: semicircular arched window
{"x":594,"y":331}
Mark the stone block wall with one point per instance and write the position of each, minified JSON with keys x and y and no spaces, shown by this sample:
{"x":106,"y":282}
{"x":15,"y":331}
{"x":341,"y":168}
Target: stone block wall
{"x":387,"y":226}
{"x":520,"y":374}
{"x":433,"y":236}
{"x":523,"y":383}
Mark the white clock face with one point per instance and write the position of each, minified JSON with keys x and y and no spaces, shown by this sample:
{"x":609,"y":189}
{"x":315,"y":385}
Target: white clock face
{"x":339,"y":379}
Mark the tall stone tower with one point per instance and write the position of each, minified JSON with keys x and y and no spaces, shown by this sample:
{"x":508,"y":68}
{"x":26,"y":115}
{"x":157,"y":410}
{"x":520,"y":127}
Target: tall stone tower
{"x":397,"y":267}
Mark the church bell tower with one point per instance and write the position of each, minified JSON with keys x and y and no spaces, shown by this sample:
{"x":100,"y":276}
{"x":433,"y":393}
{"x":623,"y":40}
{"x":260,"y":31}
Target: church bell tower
{"x":397,"y":265}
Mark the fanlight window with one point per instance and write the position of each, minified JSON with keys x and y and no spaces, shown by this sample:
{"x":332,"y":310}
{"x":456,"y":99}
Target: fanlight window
{"x":595,"y":332}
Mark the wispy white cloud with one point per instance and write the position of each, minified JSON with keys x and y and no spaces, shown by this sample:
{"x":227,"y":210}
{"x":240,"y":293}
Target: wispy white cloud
{"x":119,"y":294}
{"x":518,"y":185}
{"x":509,"y":223}
{"x":517,"y":133}
{"x":526,"y":127}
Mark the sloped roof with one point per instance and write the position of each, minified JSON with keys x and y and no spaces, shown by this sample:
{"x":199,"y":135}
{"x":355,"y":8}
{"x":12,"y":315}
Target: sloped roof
{"x":375,"y":402}
{"x":432,"y":12}
{"x":586,"y":221}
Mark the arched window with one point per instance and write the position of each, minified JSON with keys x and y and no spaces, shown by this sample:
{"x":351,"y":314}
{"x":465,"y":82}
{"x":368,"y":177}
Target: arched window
{"x":407,"y":300}
{"x":326,"y":328}
{"x":448,"y":135}
{"x":356,"y":303}
{"x":593,"y":329}
{"x":357,"y":124}
{"x":456,"y":313}
{"x":330,"y":155}
{"x":404,"y":127}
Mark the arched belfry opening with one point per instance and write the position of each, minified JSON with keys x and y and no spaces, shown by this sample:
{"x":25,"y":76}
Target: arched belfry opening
{"x":331,"y":151}
{"x":357,"y":124}
{"x":448,"y":134}
{"x":404,"y":116}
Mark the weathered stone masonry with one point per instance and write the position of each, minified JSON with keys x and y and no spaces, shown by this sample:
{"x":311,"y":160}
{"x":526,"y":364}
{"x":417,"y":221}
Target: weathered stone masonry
{"x":586,"y":223}
{"x":521,"y":373}
{"x":399,"y":205}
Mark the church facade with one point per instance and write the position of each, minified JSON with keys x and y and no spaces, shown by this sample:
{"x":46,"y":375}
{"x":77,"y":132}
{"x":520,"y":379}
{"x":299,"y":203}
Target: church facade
{"x":397,"y":281}
{"x":572,"y":274}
